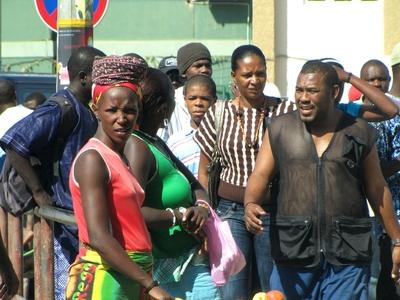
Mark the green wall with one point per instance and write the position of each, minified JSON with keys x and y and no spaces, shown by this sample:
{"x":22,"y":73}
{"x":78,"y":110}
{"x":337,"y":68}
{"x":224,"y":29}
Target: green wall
{"x":172,"y":20}
{"x":151,"y":28}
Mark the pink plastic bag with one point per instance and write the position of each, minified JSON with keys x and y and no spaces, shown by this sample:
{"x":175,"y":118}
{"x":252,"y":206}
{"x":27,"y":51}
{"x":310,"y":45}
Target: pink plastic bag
{"x":226,"y":259}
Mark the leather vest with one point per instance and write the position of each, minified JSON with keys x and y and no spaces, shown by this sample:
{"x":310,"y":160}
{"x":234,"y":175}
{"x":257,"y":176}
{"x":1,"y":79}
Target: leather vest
{"x":321,"y":206}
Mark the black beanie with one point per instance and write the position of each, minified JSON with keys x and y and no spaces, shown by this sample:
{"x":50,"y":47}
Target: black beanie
{"x":190,"y":53}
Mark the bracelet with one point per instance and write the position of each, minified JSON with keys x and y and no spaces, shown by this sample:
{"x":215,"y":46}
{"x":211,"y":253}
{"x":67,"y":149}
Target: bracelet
{"x":348,"y":77}
{"x":173,"y":215}
{"x":203,"y":205}
{"x":396,"y":242}
{"x":151,"y":286}
{"x":182,"y":210}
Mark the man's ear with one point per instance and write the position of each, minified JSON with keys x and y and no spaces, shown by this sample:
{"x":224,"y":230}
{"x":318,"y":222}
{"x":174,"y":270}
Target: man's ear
{"x":82,"y":77}
{"x":162,"y":109}
{"x":233,"y":77}
{"x":335,"y":91}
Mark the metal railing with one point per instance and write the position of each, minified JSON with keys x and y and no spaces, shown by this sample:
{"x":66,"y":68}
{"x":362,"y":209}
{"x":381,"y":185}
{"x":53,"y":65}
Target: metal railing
{"x":11,"y":228}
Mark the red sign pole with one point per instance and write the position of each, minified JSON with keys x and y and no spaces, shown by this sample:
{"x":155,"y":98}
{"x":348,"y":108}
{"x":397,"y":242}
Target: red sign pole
{"x":47,"y":10}
{"x":74,"y":30}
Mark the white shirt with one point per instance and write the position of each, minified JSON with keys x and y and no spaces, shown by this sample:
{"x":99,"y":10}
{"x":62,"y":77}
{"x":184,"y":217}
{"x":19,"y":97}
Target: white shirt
{"x":8,"y":118}
{"x":11,"y":116}
{"x":180,"y":119}
{"x":271,"y":90}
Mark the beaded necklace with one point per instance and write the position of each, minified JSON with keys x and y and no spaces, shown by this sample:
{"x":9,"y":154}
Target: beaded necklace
{"x":239,"y":115}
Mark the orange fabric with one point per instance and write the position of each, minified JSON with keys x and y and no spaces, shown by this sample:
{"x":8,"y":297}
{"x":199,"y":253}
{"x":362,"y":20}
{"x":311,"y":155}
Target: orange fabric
{"x":125,"y":200}
{"x":99,"y":89}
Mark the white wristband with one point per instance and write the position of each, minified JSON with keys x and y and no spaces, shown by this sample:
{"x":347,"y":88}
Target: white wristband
{"x":173,"y":215}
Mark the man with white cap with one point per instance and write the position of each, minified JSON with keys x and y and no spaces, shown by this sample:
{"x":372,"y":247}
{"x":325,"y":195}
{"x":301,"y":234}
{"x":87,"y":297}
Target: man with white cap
{"x":169,"y":66}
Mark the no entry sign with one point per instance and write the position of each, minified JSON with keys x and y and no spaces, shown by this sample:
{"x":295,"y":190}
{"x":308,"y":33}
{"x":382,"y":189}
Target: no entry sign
{"x":47,"y":10}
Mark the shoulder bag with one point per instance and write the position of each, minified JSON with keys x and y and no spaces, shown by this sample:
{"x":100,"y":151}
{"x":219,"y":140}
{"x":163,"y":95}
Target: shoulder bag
{"x":214,"y":168}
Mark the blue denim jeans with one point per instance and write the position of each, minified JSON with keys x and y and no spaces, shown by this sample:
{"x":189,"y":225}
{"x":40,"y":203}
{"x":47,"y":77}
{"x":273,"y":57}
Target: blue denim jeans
{"x":196,"y":284}
{"x":324,"y":281}
{"x":255,"y":248}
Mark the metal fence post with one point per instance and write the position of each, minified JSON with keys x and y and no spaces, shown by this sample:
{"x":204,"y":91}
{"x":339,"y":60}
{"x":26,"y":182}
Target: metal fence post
{"x":4,"y":227}
{"x":47,"y":259}
{"x":37,"y":258}
{"x":15,"y":248}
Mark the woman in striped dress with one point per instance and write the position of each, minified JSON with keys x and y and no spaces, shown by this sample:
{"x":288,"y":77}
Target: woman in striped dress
{"x":241,"y":130}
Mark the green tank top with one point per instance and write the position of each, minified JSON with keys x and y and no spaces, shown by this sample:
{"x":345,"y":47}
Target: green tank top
{"x":168,"y":187}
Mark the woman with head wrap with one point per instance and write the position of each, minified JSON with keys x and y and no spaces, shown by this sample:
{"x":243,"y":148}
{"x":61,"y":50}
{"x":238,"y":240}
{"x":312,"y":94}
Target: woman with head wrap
{"x":170,"y":209}
{"x":114,"y":261}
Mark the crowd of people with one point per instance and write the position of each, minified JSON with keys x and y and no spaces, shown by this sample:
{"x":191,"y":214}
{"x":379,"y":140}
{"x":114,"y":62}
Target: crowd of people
{"x":303,"y":182}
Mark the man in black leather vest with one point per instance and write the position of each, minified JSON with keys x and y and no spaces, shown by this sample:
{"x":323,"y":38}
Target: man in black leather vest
{"x":327,"y":165}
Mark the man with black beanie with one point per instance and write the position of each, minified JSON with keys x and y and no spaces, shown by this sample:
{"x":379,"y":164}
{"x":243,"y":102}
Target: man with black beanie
{"x":193,"y":59}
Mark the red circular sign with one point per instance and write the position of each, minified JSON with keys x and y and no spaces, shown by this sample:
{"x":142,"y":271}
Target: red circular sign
{"x":47,"y":10}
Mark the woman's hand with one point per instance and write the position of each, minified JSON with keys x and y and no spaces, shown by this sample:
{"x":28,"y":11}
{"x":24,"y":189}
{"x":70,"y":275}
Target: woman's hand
{"x":202,"y":237}
{"x":194,"y":218}
{"x":158,"y":293}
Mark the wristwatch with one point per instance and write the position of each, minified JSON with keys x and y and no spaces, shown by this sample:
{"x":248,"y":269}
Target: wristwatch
{"x":182,"y":210}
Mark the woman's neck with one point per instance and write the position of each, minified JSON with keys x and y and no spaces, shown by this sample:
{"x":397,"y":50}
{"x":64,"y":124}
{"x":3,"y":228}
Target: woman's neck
{"x":148,"y":129}
{"x":117,"y":148}
{"x":250,"y":103}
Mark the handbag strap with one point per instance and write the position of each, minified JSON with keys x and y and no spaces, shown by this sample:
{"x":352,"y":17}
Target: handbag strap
{"x":219,"y":109}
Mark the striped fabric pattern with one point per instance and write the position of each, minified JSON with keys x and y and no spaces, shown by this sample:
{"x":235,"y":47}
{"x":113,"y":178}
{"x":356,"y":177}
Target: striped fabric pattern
{"x":186,"y":149}
{"x":238,"y":160}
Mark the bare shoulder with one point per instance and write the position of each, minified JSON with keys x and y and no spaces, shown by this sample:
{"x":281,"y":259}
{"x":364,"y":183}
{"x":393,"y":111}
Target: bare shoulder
{"x":141,"y":159}
{"x":135,"y":143}
{"x":138,"y":152}
{"x":90,"y":164}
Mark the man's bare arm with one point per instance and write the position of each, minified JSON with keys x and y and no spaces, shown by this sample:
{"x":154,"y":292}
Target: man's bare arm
{"x":257,"y":186}
{"x":383,"y":107}
{"x":379,"y":196}
{"x":24,"y":168}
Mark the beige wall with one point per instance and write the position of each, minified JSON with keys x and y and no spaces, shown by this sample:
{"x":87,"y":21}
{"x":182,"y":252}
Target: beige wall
{"x":391,"y":24}
{"x":264,"y":31}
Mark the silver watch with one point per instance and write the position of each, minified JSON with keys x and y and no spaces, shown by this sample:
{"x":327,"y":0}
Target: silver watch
{"x":182,"y":210}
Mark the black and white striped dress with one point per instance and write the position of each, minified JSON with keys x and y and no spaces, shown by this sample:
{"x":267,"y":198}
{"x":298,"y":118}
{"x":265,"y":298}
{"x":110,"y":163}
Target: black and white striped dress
{"x":238,"y":159}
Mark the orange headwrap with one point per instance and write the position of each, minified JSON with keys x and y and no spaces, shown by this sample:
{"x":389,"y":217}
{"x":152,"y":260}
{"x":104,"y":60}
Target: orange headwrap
{"x":99,"y":89}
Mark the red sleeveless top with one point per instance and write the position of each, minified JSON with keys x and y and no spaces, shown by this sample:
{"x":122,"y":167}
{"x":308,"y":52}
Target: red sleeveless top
{"x":125,"y":197}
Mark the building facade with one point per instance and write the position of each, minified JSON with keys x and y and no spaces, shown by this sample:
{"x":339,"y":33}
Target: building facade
{"x":352,"y":31}
{"x":288,"y":31}
{"x":151,"y":28}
